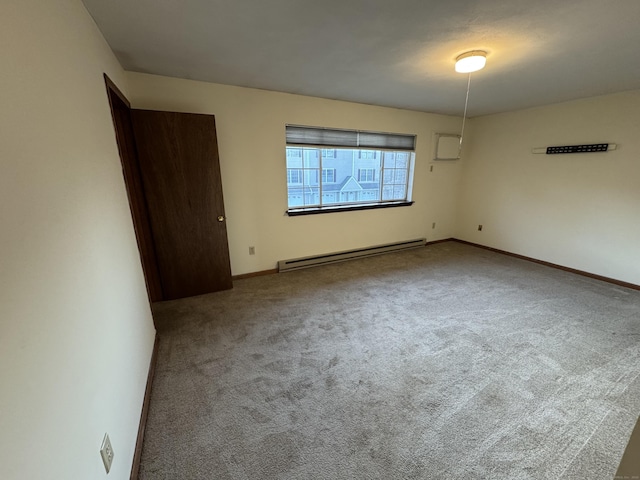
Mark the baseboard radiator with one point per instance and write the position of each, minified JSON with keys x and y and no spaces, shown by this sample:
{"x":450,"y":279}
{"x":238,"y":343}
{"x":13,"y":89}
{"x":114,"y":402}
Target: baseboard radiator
{"x":315,"y":260}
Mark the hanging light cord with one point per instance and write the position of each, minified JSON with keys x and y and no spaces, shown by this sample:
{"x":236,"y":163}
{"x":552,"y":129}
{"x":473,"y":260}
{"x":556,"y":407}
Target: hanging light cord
{"x":464,"y":115}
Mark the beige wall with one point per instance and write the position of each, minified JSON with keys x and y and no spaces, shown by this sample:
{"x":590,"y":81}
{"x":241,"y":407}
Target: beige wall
{"x":579,"y":210}
{"x":75,"y":327}
{"x":250,"y":127}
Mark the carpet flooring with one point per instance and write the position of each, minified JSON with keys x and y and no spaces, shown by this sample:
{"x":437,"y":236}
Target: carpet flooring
{"x":443,"y":362}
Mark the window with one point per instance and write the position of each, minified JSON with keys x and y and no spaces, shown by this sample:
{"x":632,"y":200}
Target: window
{"x":358,"y":170}
{"x":367,"y":175}
{"x":294,"y":175}
{"x":328,"y":175}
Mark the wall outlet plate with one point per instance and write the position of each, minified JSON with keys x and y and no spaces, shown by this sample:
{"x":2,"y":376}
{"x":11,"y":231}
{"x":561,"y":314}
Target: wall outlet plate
{"x":106,"y":452}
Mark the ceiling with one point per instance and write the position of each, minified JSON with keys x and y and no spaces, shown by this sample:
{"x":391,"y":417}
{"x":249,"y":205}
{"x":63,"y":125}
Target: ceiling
{"x":396,"y":53}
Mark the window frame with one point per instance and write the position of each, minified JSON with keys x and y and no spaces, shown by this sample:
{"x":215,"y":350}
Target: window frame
{"x":399,"y":144}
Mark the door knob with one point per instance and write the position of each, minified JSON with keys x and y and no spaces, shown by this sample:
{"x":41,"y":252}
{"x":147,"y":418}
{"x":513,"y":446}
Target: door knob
{"x":220,"y":218}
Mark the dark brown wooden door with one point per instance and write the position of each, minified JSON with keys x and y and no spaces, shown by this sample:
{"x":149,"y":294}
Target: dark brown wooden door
{"x":180,"y":169}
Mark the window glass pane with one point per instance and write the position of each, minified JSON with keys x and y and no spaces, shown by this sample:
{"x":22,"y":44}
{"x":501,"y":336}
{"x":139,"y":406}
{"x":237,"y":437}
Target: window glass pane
{"x":312,"y":196}
{"x":393,"y":192}
{"x":370,"y":195}
{"x":311,"y":158}
{"x":310,"y":177}
{"x":295,"y":199}
{"x":389,"y":159}
{"x":345,"y":176}
{"x":402,"y":160}
{"x":294,"y":157}
{"x":331,"y":198}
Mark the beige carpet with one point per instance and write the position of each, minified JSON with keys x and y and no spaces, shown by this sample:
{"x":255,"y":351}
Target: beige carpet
{"x":445,"y":362}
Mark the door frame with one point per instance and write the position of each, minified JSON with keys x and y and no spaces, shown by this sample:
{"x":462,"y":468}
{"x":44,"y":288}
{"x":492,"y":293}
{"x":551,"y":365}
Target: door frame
{"x":121,"y":115}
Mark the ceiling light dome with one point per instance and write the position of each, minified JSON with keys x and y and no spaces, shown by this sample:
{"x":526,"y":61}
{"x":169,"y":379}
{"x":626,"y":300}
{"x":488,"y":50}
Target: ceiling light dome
{"x":471,"y":61}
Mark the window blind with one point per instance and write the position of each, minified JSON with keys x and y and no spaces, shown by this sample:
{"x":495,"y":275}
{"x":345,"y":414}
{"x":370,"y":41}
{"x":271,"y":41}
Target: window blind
{"x":330,"y":137}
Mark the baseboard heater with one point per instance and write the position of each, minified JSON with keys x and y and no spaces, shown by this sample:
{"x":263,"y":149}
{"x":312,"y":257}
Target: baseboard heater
{"x":306,"y":262}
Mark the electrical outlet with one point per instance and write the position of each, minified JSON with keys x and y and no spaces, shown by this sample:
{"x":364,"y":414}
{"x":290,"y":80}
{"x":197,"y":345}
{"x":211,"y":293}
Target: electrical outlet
{"x":479,"y":228}
{"x":252,"y":250}
{"x":433,"y":225}
{"x":106,"y":452}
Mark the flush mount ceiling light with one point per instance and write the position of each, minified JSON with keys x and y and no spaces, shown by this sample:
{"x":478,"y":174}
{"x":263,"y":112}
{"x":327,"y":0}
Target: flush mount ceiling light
{"x":471,"y":61}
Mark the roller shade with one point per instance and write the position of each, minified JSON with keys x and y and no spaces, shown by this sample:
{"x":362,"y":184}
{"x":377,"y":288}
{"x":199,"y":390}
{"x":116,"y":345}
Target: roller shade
{"x":330,"y":137}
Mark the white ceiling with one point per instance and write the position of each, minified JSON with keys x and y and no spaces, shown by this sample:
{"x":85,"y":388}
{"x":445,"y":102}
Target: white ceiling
{"x":397,"y":53}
